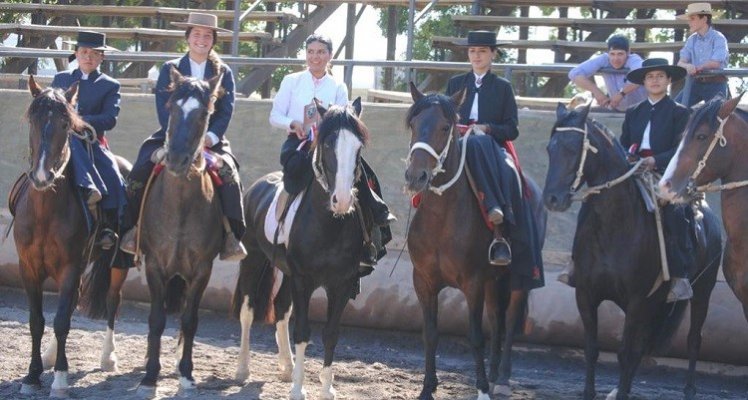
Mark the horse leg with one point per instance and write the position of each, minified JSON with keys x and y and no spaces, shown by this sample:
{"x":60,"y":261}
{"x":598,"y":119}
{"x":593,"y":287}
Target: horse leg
{"x":588,"y":311}
{"x":428,"y":296}
{"x":283,"y":307}
{"x":68,"y":299}
{"x":156,"y":325}
{"x":632,"y":349}
{"x":246,"y":316}
{"x":113,"y":297}
{"x":302,"y":293}
{"x":31,"y":383}
{"x":337,"y":299}
{"x":515,"y":315}
{"x":496,"y":311}
{"x":193,"y":295}
{"x":699,"y":306}
{"x":474,"y":294}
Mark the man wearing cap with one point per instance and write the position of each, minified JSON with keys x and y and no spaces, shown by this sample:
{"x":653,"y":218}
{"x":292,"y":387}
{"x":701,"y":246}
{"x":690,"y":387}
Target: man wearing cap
{"x":705,"y":49}
{"x":489,"y":110}
{"x":620,"y":93}
{"x":97,"y":172}
{"x":201,"y":33}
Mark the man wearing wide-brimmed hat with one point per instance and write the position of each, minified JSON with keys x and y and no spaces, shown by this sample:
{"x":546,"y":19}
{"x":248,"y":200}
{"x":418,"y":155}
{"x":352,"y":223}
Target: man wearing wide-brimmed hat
{"x":705,"y":49}
{"x":651,"y":131}
{"x":98,"y":103}
{"x":201,"y":33}
{"x":489,"y":108}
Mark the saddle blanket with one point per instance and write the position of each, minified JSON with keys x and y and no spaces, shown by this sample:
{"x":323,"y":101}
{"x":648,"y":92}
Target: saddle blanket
{"x":271,"y":223}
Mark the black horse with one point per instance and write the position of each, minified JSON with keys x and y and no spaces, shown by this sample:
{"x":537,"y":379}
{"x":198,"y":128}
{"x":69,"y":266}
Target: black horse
{"x":324,"y":247}
{"x":616,"y":251}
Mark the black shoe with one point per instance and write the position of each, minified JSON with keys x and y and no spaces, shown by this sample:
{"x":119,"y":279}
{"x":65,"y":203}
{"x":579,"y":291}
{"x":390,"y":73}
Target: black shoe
{"x":499,"y":253}
{"x":567,"y":276}
{"x":382,"y":215}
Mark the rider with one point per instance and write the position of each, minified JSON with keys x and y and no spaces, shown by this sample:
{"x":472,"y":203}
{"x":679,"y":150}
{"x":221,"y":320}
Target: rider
{"x":203,"y":63}
{"x":652,"y":131}
{"x":96,"y":173}
{"x":705,"y":49}
{"x":295,"y":112}
{"x":489,"y":107}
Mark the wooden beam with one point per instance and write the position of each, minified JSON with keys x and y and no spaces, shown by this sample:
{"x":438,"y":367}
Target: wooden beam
{"x":448,"y":42}
{"x":488,"y":21}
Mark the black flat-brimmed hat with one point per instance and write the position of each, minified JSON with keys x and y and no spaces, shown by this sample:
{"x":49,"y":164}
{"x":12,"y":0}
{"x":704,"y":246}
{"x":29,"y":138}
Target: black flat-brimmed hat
{"x":480,"y":38}
{"x":94,"y":40}
{"x":675,"y":72}
{"x":201,"y":20}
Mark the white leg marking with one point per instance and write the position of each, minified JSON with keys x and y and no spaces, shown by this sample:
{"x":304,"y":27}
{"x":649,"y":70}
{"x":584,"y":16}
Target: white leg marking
{"x":297,"y":391}
{"x":108,"y":356}
{"x":60,"y":385}
{"x":186,"y":384}
{"x":50,"y":354}
{"x":346,"y":150}
{"x":612,"y":395}
{"x":326,"y":378}
{"x":483,"y":396}
{"x":246,"y":316}
{"x":285,"y":360}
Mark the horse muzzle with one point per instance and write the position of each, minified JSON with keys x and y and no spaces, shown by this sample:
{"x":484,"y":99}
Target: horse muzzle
{"x":672,"y":192}
{"x":342,"y":203}
{"x":557,"y":202}
{"x":417,"y":179}
{"x":41,"y":179}
{"x":178,"y":164}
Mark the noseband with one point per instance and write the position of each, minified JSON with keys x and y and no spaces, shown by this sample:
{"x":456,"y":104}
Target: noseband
{"x":440,"y":158}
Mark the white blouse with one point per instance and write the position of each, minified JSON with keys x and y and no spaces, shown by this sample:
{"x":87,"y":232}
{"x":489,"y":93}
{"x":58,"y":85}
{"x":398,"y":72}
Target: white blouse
{"x":297,"y":90}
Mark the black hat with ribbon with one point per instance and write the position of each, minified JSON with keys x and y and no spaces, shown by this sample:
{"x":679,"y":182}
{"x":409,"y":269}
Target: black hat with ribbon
{"x":675,"y":72}
{"x":90,"y":39}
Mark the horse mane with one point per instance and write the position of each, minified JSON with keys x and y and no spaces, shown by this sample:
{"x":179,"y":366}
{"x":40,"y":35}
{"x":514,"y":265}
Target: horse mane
{"x":449,"y":108}
{"x":53,"y":99}
{"x":339,"y":117}
{"x":708,"y":113}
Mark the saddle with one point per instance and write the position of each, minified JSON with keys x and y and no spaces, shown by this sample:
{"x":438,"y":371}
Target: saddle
{"x":19,"y":187}
{"x":280,"y":215}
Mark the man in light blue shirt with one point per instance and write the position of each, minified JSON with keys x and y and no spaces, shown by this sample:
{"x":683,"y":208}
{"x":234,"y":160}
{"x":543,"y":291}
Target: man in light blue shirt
{"x":705,"y":49}
{"x":620,"y":94}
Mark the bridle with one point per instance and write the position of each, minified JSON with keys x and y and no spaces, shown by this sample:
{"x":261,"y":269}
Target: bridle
{"x":719,"y":137}
{"x":440,"y":158}
{"x":62,"y":162}
{"x":318,"y":168}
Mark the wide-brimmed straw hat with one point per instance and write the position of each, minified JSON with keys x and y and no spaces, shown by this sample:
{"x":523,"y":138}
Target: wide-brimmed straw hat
{"x":94,"y":40}
{"x":479,"y":38}
{"x":201,"y":20}
{"x":656,"y":64}
{"x":697,"y":8}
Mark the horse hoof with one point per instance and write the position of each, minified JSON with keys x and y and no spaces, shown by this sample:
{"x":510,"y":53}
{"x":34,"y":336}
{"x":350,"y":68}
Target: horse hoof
{"x":146,"y":392}
{"x":612,"y":395}
{"x":242,"y":375}
{"x":286,"y":375}
{"x":425,"y":396}
{"x":329,"y":395}
{"x":30,"y":388}
{"x":297,"y":394}
{"x":109,"y":365}
{"x":502,"y":390}
{"x":59,"y":393}
{"x":483,"y":396}
{"x":184,"y":392}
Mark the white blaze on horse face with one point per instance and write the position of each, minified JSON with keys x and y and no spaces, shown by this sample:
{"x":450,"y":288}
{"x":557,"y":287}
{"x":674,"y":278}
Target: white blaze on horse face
{"x":188,"y":106}
{"x":40,"y":173}
{"x":346,"y":152}
{"x":667,"y":192}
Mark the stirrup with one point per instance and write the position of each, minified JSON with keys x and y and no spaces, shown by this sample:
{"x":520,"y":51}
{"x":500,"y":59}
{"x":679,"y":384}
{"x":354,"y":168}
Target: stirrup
{"x":680,"y":289}
{"x":501,"y":262}
{"x":233,"y":249}
{"x":107,"y":239}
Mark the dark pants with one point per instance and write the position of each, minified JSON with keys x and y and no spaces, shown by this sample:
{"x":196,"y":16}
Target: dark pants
{"x":229,"y":193}
{"x":703,"y":91}
{"x":677,"y":221}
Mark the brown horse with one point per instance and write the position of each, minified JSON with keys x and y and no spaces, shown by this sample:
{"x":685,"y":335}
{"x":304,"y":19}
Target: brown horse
{"x":52,"y":238}
{"x":448,"y":242}
{"x":181,"y":229}
{"x":717,"y":136}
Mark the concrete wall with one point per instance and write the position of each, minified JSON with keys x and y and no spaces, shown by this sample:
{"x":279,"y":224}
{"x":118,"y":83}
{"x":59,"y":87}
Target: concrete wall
{"x":553,"y":315}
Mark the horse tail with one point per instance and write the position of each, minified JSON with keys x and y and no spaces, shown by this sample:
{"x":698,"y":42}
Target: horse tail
{"x":94,"y":288}
{"x":666,"y":321}
{"x":174,"y":298}
{"x":257,"y":282}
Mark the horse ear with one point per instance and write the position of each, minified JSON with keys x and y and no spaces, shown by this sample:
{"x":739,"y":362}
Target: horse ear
{"x":71,"y":95}
{"x":176,"y":77}
{"x":459,"y":97}
{"x":414,"y":92}
{"x":34,"y":87}
{"x":729,"y":106}
{"x":584,"y":111}
{"x":560,"y":111}
{"x":357,"y":106}
{"x":320,"y":108}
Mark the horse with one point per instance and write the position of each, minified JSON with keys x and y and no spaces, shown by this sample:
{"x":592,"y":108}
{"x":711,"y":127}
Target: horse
{"x":699,"y":161}
{"x":181,"y":229}
{"x":448,"y":242}
{"x":324,"y":246}
{"x":616,"y":252}
{"x":53,"y":240}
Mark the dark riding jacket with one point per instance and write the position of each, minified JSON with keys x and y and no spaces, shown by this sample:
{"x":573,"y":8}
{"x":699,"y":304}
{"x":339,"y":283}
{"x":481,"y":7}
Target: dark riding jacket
{"x":98,"y":98}
{"x":668,"y":120}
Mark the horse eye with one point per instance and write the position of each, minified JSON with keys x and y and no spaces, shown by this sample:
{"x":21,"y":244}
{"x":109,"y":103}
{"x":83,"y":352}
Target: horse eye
{"x":701,"y":136}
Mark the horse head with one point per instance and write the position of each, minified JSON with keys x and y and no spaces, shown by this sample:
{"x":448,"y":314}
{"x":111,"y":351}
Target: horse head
{"x":703,"y":155}
{"x":190,"y":106}
{"x":52,"y":118}
{"x":337,"y":154}
{"x":431,"y":119}
{"x":579,"y":151}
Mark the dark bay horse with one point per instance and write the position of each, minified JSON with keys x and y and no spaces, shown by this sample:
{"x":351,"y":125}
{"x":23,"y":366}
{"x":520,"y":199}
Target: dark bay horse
{"x":448,"y":243}
{"x":616,"y":250}
{"x":181,"y":225}
{"x":721,"y":126}
{"x":324,"y":247}
{"x":53,"y":239}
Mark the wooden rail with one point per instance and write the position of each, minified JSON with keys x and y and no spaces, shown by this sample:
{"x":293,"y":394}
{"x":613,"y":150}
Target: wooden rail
{"x":492,"y":22}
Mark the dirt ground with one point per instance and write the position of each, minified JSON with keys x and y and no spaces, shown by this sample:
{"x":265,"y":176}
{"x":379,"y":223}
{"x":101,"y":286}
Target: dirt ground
{"x":369,"y":364}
